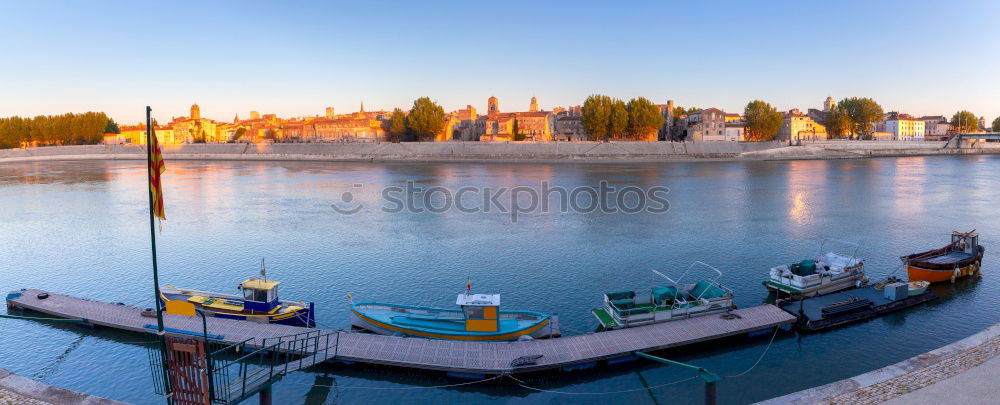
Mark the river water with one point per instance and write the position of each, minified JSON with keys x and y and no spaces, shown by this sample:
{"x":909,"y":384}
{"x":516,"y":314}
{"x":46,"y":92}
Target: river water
{"x":81,"y":228}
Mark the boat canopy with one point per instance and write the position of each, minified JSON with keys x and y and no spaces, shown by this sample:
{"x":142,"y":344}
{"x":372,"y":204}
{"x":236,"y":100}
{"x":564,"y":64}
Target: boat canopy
{"x":255,"y":284}
{"x":260,"y":295}
{"x":480,"y":300}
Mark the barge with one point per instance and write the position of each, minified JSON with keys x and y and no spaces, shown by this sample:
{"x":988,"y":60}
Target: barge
{"x":856,"y":304}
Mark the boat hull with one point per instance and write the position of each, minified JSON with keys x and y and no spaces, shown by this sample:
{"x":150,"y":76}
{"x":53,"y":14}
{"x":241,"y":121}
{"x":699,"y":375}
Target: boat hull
{"x":373,"y":318}
{"x":939,"y":276}
{"x":831,"y":287}
{"x":291,"y":313}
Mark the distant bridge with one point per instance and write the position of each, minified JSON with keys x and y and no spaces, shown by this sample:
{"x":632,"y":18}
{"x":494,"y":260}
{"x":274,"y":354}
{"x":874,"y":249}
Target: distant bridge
{"x":979,"y":136}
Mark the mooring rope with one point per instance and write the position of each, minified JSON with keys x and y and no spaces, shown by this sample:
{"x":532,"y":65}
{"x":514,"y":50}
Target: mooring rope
{"x":31,"y":318}
{"x":759,"y":358}
{"x":522,"y":384}
{"x":400,"y":388}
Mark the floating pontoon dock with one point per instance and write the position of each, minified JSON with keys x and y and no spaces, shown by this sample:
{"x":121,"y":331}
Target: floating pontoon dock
{"x":486,"y":358}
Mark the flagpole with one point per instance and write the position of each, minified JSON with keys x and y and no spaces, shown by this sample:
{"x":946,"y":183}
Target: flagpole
{"x":152,"y":228}
{"x":156,"y":276}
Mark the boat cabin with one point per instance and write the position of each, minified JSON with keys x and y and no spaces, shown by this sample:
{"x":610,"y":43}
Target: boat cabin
{"x":260,"y":295}
{"x":965,"y":242}
{"x":481,"y":311}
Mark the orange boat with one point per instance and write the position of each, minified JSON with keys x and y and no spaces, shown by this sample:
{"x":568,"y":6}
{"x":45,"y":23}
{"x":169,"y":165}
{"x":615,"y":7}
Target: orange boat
{"x":962,"y":257}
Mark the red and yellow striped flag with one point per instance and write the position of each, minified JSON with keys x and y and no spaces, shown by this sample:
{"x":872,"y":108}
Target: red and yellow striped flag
{"x":156,"y":169}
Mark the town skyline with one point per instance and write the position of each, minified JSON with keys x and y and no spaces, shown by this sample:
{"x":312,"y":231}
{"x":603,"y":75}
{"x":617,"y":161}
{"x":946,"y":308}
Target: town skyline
{"x":295,"y":59}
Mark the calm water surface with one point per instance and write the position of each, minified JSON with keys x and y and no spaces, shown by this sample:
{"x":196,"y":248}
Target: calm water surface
{"x":81,"y":228}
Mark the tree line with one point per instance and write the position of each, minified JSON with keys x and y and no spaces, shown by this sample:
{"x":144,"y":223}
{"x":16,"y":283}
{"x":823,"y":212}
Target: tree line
{"x":422,"y":123}
{"x":66,"y":129}
{"x":606,"y":118}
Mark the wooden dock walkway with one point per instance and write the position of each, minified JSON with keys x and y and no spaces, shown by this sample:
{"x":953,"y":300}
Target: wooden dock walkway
{"x":487,"y":358}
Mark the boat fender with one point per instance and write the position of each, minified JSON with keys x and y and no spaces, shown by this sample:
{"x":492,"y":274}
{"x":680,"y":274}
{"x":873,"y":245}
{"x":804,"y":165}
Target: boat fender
{"x":954,"y":275}
{"x":43,"y":295}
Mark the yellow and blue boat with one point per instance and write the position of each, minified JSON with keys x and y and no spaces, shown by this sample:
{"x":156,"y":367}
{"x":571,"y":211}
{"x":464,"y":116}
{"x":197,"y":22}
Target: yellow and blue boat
{"x":259,"y":303}
{"x":478,"y":319}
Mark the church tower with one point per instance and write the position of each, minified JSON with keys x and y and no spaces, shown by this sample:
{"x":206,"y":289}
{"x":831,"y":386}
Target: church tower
{"x":236,"y":119}
{"x":493,"y":105}
{"x":828,"y":104}
{"x":195,"y":111}
{"x":533,"y":107}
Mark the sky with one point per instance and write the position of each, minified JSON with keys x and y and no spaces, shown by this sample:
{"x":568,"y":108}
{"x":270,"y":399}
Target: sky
{"x":295,"y":58}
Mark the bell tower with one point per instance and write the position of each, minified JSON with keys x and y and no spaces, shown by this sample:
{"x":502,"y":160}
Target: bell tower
{"x":195,"y":111}
{"x":533,"y":107}
{"x":493,"y":105}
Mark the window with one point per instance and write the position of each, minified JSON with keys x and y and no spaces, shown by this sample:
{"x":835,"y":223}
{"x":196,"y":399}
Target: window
{"x":473,"y":312}
{"x":250,"y":294}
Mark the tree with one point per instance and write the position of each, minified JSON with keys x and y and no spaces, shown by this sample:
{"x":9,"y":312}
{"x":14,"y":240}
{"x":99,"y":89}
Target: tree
{"x":863,"y":113}
{"x":397,"y":126}
{"x":965,"y":121}
{"x":837,"y":123}
{"x":681,"y":112}
{"x":112,"y":127}
{"x":515,"y":132}
{"x":618,"y":119}
{"x":426,"y":119}
{"x":65,"y":129}
{"x":644,"y":119}
{"x":238,"y":134}
{"x":762,"y":121}
{"x":595,"y":116}
{"x":996,"y":125}
{"x":271,"y":134}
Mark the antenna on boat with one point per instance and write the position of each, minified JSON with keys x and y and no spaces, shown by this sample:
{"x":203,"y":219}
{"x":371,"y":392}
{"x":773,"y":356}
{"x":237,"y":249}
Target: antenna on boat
{"x":263,"y":270}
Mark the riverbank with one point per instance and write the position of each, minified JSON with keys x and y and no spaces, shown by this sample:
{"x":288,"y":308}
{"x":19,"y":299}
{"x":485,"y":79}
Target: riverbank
{"x":962,"y":372}
{"x":19,"y":390}
{"x":506,"y":152}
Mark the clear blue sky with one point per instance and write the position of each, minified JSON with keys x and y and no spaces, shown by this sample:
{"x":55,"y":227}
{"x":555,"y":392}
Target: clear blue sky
{"x":294,"y":58}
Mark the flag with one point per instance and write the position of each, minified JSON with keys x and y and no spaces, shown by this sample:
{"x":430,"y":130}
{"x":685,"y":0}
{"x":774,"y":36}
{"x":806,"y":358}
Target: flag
{"x":156,"y":169}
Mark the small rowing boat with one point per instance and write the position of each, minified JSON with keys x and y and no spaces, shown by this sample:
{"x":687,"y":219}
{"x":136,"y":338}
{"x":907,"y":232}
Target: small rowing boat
{"x":960,"y":258}
{"x":259,"y":303}
{"x":830,"y":272}
{"x":478,"y":318}
{"x":663,"y":303}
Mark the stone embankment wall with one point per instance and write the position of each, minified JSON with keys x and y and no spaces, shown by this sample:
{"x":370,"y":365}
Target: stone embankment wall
{"x":477,"y":151}
{"x":18,"y":390}
{"x":520,"y":151}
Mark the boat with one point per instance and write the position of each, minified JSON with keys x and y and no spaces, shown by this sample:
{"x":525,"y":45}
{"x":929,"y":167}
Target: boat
{"x":960,"y":258}
{"x":917,"y":287}
{"x":672,"y":301}
{"x":830,"y":272}
{"x":478,"y":318}
{"x":258,"y":303}
{"x":855,"y":304}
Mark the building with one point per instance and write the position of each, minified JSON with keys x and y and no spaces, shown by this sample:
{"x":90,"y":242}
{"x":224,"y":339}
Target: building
{"x":533,"y":107}
{"x":329,"y":112}
{"x":799,"y":126}
{"x":667,"y":111}
{"x":570,"y":128}
{"x":136,"y":135}
{"x":828,"y":104}
{"x":534,"y":125}
{"x":735,"y":131}
{"x":903,"y":127}
{"x":706,"y":125}
{"x":936,"y":127}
